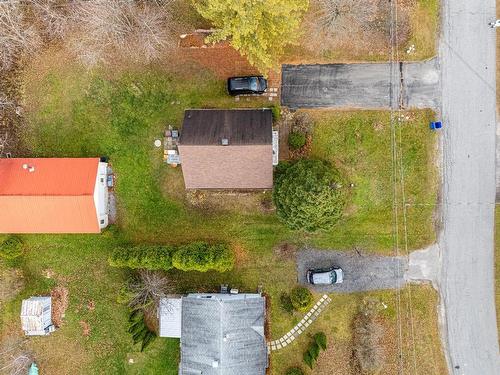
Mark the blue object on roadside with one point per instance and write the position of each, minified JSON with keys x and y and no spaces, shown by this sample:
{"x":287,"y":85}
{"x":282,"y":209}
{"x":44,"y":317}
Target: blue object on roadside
{"x":33,"y":370}
{"x":435,"y":125}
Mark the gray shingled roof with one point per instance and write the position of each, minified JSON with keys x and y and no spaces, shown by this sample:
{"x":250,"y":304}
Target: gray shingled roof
{"x":223,"y":334}
{"x":238,"y":126}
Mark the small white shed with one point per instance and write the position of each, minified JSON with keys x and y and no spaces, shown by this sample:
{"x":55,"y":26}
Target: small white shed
{"x":36,"y":318}
{"x":170,"y":316}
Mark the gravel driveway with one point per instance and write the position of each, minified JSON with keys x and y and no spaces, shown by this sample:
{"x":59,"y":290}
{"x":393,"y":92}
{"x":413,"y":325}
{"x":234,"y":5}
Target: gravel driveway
{"x":361,"y":272}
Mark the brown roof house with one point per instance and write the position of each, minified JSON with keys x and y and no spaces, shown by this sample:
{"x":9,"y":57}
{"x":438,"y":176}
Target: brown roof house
{"x":227,"y":149}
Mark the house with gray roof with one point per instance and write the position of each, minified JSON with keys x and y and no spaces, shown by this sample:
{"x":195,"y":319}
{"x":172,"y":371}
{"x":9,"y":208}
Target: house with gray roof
{"x":220,"y":334}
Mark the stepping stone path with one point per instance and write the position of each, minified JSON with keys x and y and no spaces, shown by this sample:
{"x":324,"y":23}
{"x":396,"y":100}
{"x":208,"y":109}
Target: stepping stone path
{"x":306,"y":321}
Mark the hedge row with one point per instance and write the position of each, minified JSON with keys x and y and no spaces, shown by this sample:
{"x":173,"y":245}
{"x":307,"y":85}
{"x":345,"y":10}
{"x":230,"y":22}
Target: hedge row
{"x":151,"y":257}
{"x":200,"y":256}
{"x":197,"y":256}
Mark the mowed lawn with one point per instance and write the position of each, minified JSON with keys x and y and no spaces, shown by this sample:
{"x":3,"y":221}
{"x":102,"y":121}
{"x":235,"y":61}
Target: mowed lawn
{"x":78,"y":113}
{"x":360,"y":145}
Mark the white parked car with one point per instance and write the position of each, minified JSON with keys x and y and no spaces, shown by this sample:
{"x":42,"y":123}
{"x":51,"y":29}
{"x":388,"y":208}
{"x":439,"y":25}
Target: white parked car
{"x":325,"y":276}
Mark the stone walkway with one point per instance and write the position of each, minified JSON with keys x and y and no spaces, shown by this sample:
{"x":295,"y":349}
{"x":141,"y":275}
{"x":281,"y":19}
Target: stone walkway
{"x":301,"y":326}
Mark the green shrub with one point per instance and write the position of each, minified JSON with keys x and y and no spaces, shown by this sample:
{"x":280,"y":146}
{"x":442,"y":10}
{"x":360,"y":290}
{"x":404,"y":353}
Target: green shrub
{"x":314,"y":351}
{"x":276,"y":109}
{"x":294,"y":371}
{"x":286,"y":303}
{"x":200,"y":256}
{"x":301,"y":298}
{"x":320,"y":340}
{"x":296,"y":140}
{"x":139,"y":330}
{"x":12,"y":247}
{"x":308,"y":360}
{"x":151,"y":257}
{"x":309,"y":195}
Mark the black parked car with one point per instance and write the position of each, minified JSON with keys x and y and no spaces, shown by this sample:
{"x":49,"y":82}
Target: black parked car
{"x":246,"y":85}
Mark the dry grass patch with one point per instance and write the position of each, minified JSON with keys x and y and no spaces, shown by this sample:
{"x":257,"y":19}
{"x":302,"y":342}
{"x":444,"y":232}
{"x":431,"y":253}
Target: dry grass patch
{"x":337,"y":322}
{"x":350,"y":30}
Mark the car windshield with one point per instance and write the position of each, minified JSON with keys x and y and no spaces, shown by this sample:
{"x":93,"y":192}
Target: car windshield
{"x":333,"y":276}
{"x":254,"y":84}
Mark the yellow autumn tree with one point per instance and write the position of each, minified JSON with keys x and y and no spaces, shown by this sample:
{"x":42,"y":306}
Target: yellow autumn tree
{"x":258,"y":29}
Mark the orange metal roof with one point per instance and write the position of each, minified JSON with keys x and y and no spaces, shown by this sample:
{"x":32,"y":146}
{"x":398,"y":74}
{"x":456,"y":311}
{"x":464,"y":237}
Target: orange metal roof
{"x":53,"y":195}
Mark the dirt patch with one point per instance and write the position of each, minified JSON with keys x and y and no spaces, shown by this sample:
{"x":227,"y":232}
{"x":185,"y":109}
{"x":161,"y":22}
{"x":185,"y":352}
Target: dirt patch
{"x":285,"y":251}
{"x":85,"y":328}
{"x":222,"y":201}
{"x":224,"y":61}
{"x":304,"y":151}
{"x":194,"y":40}
{"x":11,"y":112}
{"x":241,"y":255}
{"x":333,"y":360}
{"x":11,"y":284}
{"x":60,"y":301}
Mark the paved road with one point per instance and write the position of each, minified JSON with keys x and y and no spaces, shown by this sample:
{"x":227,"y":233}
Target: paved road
{"x":361,"y":272}
{"x":466,"y":286}
{"x":360,"y":85}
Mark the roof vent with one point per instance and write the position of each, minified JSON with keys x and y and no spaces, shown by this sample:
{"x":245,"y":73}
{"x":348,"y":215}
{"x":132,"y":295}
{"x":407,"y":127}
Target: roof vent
{"x":225,"y":141}
{"x":215,"y":364}
{"x":25,"y":166}
{"x":31,"y":169}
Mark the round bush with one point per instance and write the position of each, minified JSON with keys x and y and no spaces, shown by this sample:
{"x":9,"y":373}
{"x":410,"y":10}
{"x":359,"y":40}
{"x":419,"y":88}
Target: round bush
{"x":296,"y":140}
{"x":309,"y":195}
{"x":301,"y":298}
{"x":294,"y":371}
{"x":11,"y":248}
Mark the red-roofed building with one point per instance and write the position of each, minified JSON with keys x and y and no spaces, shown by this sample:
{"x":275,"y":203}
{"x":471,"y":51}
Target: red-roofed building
{"x":53,"y":195}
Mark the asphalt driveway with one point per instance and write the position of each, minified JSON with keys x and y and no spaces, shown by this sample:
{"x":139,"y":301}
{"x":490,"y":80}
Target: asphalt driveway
{"x":361,"y":272}
{"x":361,"y":85}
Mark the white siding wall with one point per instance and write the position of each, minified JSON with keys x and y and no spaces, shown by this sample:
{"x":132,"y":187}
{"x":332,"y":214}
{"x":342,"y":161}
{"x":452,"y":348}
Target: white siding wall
{"x":101,"y":195}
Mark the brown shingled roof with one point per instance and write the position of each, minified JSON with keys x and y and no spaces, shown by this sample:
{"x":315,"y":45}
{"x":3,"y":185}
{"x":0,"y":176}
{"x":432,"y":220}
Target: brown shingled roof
{"x":239,"y":126}
{"x":245,"y":163}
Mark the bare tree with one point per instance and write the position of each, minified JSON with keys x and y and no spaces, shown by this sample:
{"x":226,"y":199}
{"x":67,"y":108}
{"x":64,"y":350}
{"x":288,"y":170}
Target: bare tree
{"x":336,"y":16}
{"x":52,"y":15}
{"x":149,"y":288}
{"x":368,"y":21}
{"x":136,"y":29}
{"x":17,"y":35}
{"x":15,"y":359}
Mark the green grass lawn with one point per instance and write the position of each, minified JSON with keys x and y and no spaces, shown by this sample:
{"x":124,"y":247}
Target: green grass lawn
{"x":74,"y":112}
{"x":359,"y":144}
